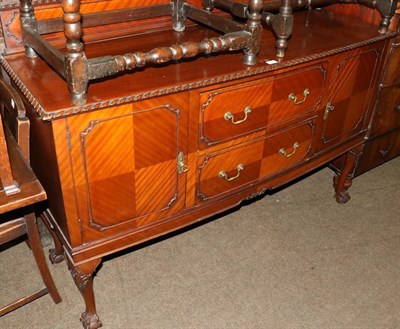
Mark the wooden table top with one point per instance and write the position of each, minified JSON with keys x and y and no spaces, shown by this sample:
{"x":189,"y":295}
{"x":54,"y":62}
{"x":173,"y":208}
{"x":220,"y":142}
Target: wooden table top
{"x":316,"y":34}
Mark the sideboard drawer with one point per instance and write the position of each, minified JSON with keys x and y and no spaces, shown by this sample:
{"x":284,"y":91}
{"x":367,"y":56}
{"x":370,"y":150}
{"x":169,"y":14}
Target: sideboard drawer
{"x":387,"y":115}
{"x":392,"y":74}
{"x":379,"y":150}
{"x":234,"y":111}
{"x":225,"y":171}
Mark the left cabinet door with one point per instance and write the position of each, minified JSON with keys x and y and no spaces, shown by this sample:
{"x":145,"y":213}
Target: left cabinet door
{"x":123,"y":164}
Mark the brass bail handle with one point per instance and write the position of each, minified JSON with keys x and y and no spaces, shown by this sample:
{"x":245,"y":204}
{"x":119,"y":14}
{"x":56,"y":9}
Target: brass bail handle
{"x":283,"y":152}
{"x":229,"y":116}
{"x":224,"y":175}
{"x":293,"y":98}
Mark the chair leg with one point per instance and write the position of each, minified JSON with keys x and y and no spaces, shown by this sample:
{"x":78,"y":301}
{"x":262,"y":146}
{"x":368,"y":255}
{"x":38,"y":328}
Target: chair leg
{"x":37,"y":250}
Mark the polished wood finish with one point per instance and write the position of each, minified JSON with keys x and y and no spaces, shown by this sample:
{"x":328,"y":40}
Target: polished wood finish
{"x":10,"y":186}
{"x":275,"y":101}
{"x":19,"y":202}
{"x":168,"y":146}
{"x":78,"y":70}
{"x":384,"y":143}
{"x":384,"y":139}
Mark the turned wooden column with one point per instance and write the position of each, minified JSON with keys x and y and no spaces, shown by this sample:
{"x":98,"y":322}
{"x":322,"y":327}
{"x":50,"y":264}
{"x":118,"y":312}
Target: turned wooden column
{"x":254,"y":27}
{"x":28,"y":19}
{"x":76,"y":65}
{"x":284,"y":27}
{"x":387,"y":9}
{"x":178,"y":15}
{"x":281,"y":24}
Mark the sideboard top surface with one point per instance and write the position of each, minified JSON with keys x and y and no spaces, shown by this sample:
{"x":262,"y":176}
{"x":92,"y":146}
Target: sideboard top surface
{"x":316,"y":34}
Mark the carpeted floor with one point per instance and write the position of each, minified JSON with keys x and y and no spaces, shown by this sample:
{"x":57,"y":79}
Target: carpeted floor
{"x":294,"y":259}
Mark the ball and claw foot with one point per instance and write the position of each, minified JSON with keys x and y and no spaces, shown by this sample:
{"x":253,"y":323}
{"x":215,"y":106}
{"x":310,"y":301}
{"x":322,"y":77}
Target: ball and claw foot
{"x":342,"y":197}
{"x":90,"y":321}
{"x":55,"y":257}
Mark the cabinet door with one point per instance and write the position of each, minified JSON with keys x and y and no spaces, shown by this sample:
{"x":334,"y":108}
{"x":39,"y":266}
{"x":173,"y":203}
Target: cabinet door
{"x":350,"y":99}
{"x":125,"y":167}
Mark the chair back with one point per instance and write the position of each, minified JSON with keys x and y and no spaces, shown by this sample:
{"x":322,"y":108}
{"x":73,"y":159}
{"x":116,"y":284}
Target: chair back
{"x":10,"y":186}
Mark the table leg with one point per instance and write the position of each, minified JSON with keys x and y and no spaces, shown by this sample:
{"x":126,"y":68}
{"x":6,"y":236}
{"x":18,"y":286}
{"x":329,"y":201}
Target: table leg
{"x":57,"y":253}
{"x":344,"y":179}
{"x":83,"y":277}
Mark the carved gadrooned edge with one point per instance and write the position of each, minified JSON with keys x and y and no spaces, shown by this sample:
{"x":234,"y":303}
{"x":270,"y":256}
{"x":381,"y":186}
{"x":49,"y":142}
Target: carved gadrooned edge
{"x":247,"y":72}
{"x":15,"y":4}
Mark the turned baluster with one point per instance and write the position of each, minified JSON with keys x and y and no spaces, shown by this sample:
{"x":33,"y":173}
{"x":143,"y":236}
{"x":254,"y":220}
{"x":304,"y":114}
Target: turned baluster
{"x":178,"y":15}
{"x":208,"y":4}
{"x":76,"y":65}
{"x":284,"y":30}
{"x":28,"y":20}
{"x":254,"y":27}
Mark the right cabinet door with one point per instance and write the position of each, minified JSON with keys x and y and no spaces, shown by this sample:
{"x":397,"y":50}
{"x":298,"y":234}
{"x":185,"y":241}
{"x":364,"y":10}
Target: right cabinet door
{"x":352,"y":80}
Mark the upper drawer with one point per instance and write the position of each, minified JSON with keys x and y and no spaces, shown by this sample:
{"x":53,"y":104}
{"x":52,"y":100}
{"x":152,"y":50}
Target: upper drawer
{"x":223,"y":172}
{"x":237,"y":110}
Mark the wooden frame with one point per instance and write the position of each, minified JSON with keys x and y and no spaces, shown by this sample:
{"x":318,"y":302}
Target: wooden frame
{"x":282,"y":23}
{"x":20,"y":190}
{"x":78,"y":70}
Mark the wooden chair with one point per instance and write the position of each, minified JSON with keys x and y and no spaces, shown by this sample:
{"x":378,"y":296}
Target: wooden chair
{"x":20,"y":190}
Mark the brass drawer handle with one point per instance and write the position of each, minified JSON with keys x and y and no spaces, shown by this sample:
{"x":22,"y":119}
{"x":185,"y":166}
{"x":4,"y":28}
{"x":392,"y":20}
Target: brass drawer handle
{"x":282,"y":151}
{"x":293,"y":98}
{"x":229,"y":116}
{"x":224,"y":175}
{"x":384,"y":153}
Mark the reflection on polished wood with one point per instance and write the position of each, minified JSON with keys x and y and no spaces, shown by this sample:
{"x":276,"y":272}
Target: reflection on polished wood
{"x":166,"y":146}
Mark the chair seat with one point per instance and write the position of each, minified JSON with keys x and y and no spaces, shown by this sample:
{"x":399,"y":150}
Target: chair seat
{"x":31,"y":189}
{"x":20,"y":190}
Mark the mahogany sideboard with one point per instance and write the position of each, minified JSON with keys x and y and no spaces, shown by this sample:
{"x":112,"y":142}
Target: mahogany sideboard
{"x":166,"y":146}
{"x":383,"y":143}
{"x":384,"y":138}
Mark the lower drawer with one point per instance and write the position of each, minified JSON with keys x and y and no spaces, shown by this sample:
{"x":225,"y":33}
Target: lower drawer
{"x":378,"y":151}
{"x":227,"y":170}
{"x":387,"y":116}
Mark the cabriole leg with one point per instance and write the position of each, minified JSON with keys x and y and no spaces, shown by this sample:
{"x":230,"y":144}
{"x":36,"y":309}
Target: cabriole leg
{"x":56,"y":254}
{"x":344,"y":179}
{"x":83,"y":277}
